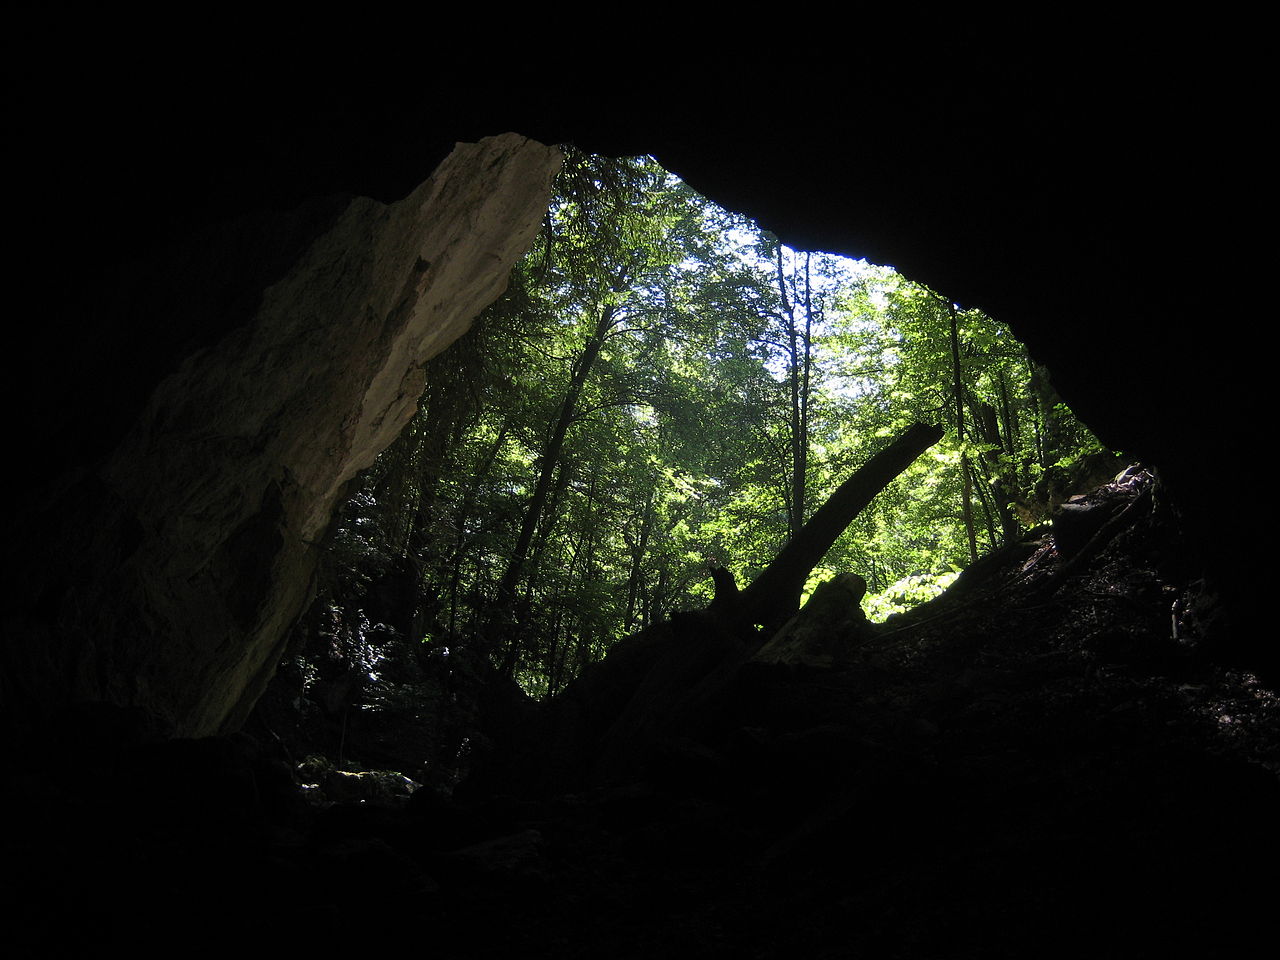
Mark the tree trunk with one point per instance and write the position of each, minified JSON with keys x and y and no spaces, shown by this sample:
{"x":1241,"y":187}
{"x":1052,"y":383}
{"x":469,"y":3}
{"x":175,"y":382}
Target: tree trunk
{"x":966,"y":500}
{"x":458,"y":559}
{"x":799,"y":374}
{"x":639,"y":550}
{"x":986,"y":420}
{"x":776,"y":592}
{"x":555,"y":443}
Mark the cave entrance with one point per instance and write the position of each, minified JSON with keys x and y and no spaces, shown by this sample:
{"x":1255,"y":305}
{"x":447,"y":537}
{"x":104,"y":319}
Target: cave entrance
{"x":665,"y":386}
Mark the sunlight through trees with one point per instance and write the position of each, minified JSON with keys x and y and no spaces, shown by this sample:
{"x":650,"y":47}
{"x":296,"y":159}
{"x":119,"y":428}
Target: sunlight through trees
{"x":665,"y":385}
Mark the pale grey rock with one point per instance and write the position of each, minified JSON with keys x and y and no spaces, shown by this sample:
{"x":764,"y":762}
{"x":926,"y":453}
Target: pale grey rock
{"x":230,"y":476}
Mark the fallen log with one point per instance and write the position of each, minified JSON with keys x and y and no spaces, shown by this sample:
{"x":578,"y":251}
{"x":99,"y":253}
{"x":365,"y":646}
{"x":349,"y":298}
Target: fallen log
{"x":693,"y":658}
{"x":774,"y":595}
{"x":671,"y":679}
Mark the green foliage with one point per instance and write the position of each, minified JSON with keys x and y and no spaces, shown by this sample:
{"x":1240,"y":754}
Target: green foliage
{"x":907,"y":593}
{"x":663,"y":384}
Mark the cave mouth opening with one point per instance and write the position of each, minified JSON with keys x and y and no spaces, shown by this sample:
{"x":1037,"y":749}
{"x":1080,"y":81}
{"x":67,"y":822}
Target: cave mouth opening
{"x":399,"y":555}
{"x":665,"y":387}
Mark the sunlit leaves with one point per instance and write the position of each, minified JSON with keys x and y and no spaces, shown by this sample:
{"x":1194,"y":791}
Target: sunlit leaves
{"x":679,"y":447}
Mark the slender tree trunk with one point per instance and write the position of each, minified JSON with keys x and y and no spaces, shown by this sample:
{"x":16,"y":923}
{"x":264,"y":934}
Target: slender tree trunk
{"x":553,"y":652}
{"x":464,"y":513}
{"x":637,"y":562}
{"x":1009,"y":415}
{"x":1037,"y":421}
{"x":1046,"y":399}
{"x":550,"y":518}
{"x":551,"y":455}
{"x":581,"y":555}
{"x":995,"y":459}
{"x":658,"y":598}
{"x":799,"y":375}
{"x":806,"y":375}
{"x":984,"y":496}
{"x":966,"y":501}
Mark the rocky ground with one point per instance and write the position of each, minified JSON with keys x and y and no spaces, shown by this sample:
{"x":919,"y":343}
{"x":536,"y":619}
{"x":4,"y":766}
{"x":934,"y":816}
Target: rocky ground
{"x":1046,"y":761}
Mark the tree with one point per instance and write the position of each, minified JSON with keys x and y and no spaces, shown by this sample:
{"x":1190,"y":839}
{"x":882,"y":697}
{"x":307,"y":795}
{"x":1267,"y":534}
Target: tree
{"x":666,"y":389}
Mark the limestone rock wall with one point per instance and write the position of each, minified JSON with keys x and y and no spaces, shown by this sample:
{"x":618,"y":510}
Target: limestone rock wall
{"x":185,"y":589}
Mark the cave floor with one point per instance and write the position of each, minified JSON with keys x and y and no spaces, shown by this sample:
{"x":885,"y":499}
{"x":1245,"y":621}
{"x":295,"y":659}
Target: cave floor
{"x":1023,"y":770}
{"x":1028,"y":767}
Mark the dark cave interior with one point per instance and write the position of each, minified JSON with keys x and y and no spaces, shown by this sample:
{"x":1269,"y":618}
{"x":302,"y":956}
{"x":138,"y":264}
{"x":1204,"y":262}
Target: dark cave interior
{"x":1031,"y":775}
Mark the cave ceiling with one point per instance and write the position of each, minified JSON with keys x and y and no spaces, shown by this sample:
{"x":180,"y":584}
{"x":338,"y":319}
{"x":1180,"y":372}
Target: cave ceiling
{"x":1103,"y":206}
{"x":1074,"y":204}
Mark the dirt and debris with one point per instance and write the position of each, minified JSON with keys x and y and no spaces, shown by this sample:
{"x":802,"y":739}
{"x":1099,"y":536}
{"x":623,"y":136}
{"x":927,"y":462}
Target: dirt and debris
{"x":1047,"y":760}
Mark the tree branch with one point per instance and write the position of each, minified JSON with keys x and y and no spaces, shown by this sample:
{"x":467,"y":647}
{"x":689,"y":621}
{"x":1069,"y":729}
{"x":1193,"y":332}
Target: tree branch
{"x":776,"y":592}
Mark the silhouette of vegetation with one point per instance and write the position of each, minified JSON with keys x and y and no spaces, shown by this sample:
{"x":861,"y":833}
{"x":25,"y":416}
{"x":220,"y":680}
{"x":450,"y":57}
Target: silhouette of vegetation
{"x":664,"y":388}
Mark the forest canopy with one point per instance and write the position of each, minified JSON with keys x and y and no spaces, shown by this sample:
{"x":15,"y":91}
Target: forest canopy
{"x":666,"y":387}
